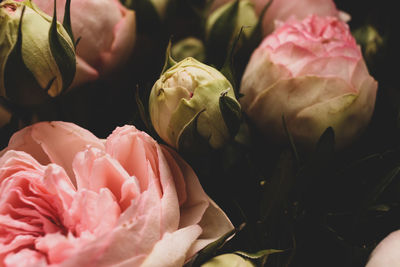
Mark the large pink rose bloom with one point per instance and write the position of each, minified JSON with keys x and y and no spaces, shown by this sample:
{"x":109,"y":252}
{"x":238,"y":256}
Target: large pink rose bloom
{"x":313,"y":73}
{"x":386,"y":254}
{"x":107,"y":31}
{"x":282,"y":10}
{"x":68,"y":198}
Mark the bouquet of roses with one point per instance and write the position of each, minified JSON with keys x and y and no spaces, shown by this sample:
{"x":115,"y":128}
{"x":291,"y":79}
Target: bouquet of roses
{"x":197,"y":133}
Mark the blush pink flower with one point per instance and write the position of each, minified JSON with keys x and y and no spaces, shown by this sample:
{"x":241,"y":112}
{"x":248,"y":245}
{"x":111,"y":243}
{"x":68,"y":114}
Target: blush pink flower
{"x":68,"y":198}
{"x":107,"y":32}
{"x":282,"y":10}
{"x":313,"y":73}
{"x":387,"y":252}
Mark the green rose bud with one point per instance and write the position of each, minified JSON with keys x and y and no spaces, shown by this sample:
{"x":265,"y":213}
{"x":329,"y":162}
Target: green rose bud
{"x":193,"y":104}
{"x":243,"y":13}
{"x":37,"y":58}
{"x":228,"y":260}
{"x":188,"y":47}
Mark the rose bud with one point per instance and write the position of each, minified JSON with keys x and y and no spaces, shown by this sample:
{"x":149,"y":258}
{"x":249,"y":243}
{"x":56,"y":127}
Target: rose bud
{"x":387,"y":252}
{"x":228,"y":260}
{"x":188,"y":47}
{"x":223,"y":27}
{"x":245,"y":16}
{"x":312,"y":73}
{"x":37,"y":58}
{"x":282,"y":10}
{"x":106,"y":31}
{"x":193,"y":104}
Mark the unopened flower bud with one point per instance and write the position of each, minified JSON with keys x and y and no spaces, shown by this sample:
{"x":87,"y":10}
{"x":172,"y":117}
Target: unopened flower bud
{"x":188,"y":47}
{"x":193,"y":104}
{"x":243,"y":15}
{"x":37,"y":58}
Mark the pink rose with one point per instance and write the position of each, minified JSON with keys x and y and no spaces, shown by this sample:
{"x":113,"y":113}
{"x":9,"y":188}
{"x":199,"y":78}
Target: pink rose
{"x":107,"y":31}
{"x":281,"y":10}
{"x":313,"y":73}
{"x":386,"y":254}
{"x":68,"y":198}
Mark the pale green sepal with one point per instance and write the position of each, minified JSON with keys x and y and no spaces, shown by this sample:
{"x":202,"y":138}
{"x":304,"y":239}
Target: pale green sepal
{"x":190,"y":141}
{"x":169,"y":61}
{"x":20,"y":84}
{"x":260,"y":256}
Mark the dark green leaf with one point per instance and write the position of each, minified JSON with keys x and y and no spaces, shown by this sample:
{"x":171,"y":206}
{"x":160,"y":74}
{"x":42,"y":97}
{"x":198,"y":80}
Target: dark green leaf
{"x":209,"y":251}
{"x":190,"y":141}
{"x":67,"y":19}
{"x":231,"y":112}
{"x":62,"y":52}
{"x":220,"y":35}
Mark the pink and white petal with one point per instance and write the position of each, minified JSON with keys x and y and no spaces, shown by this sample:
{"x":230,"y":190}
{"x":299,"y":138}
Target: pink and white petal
{"x":25,"y":258}
{"x":288,"y":97}
{"x":387,"y":252}
{"x":172,"y":249}
{"x":169,"y":200}
{"x":200,"y":209}
{"x":13,"y":161}
{"x":84,"y":73}
{"x":283,"y":9}
{"x":339,"y":66}
{"x":260,"y":74}
{"x":348,"y":114}
{"x":95,"y":169}
{"x":62,"y":140}
{"x":87,"y":212}
{"x":123,"y":43}
{"x":23,"y":141}
{"x":133,"y":149}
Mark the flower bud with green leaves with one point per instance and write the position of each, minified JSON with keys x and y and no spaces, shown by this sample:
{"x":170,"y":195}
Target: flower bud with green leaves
{"x":228,"y":260}
{"x":241,"y":13}
{"x":188,"y":47}
{"x":37,"y":55}
{"x":193,"y":106}
{"x":233,"y":23}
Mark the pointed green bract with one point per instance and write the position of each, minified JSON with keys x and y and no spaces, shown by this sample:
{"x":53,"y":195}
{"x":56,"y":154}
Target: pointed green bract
{"x":62,"y":52}
{"x":231,"y":112}
{"x":67,"y":19}
{"x":190,"y":141}
{"x":169,"y":61}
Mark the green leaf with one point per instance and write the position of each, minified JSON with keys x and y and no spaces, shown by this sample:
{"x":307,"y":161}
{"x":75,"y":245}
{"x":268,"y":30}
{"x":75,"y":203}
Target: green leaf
{"x":291,"y":141}
{"x":190,"y":142}
{"x":228,"y":68}
{"x":67,"y":20}
{"x":326,"y":144}
{"x":220,"y":35}
{"x":209,"y":251}
{"x":62,"y":52}
{"x":231,"y":112}
{"x":169,"y":61}
{"x":20,"y":84}
{"x":275,"y":196}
